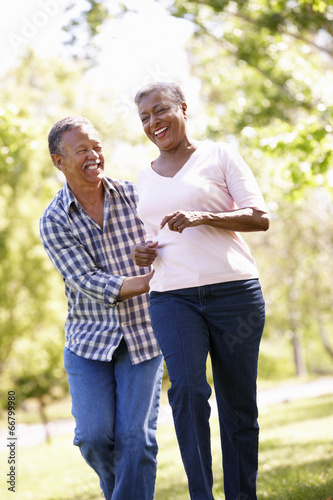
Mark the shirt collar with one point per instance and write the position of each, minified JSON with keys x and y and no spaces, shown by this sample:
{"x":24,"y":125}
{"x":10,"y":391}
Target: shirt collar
{"x":70,"y":199}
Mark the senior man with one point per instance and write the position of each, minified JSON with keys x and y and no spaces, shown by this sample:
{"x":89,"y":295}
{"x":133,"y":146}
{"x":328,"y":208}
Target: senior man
{"x":111,"y":356}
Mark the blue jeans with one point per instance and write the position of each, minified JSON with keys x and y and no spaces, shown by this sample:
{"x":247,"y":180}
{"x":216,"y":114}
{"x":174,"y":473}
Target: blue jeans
{"x":227,"y":321}
{"x":115,"y":405}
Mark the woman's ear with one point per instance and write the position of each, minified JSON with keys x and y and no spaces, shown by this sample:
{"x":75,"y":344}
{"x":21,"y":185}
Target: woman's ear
{"x":184,"y":109}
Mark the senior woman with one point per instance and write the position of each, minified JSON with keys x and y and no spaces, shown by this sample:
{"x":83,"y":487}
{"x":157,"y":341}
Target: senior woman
{"x":194,"y":199}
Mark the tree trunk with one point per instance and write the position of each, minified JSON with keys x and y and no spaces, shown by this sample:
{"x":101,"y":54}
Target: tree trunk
{"x":299,"y":357}
{"x":324,"y":338}
{"x":44,"y":420}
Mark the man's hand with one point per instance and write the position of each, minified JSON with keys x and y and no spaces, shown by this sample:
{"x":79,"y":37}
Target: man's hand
{"x":145,"y":254}
{"x":135,"y":285}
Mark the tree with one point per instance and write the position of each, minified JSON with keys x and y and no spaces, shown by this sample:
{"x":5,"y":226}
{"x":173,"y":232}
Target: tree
{"x":272,"y":82}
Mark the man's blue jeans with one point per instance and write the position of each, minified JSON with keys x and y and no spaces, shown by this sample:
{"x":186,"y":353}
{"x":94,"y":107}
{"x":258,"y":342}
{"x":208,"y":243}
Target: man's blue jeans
{"x":115,"y":405}
{"x":227,"y":321}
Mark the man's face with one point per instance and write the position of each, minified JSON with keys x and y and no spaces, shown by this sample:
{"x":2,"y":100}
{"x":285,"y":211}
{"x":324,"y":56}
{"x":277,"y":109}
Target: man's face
{"x":82,"y":161}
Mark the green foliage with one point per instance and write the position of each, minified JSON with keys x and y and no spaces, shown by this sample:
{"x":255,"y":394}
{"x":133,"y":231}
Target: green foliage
{"x":301,"y":17}
{"x":275,"y":359}
{"x":87,"y":25}
{"x":295,"y":265}
{"x":29,"y":301}
{"x":32,"y":302}
{"x":22,"y":283}
{"x":266,"y":69}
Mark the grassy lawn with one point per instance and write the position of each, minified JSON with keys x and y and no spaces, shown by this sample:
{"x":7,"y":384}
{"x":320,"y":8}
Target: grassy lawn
{"x":296,"y":460}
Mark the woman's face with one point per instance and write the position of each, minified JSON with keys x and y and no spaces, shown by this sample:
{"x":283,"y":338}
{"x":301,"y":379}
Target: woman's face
{"x":164,"y":122}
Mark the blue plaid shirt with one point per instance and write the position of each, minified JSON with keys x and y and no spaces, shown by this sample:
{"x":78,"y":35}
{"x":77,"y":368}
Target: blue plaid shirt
{"x":94,"y":263}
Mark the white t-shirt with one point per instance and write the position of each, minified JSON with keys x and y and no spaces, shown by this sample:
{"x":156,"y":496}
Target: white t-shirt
{"x":214,"y":179}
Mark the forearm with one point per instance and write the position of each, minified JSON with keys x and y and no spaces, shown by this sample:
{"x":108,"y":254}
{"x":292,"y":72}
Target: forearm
{"x":134,"y":286}
{"x":243,"y":220}
{"x":80,"y":272}
{"x":113,"y":289}
{"x":98,"y":285}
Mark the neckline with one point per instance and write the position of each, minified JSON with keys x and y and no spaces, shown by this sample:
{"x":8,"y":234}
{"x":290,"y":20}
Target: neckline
{"x":184,"y":167}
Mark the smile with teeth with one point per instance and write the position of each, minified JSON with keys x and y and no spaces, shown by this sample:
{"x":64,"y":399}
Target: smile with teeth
{"x":159,"y":131}
{"x":92,"y":166}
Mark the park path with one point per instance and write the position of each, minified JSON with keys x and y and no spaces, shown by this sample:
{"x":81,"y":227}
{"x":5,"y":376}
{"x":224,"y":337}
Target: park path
{"x":29,"y":435}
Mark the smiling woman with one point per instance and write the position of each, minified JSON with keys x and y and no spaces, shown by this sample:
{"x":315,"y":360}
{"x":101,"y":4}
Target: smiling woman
{"x":163,"y":112}
{"x":194,"y":199}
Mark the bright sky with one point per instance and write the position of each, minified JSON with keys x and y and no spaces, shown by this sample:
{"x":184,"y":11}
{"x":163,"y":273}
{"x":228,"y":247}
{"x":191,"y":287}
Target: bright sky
{"x":136,"y":49}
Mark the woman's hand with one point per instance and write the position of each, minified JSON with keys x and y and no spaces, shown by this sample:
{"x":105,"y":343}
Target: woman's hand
{"x":180,"y":220}
{"x":145,"y":254}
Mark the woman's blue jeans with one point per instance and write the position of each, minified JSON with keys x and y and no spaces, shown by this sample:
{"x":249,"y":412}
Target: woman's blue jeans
{"x":227,"y":321}
{"x":115,"y":405}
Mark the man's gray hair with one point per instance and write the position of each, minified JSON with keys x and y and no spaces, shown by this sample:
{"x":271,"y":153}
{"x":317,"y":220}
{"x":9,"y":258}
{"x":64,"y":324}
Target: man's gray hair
{"x":63,"y":126}
{"x":170,"y":89}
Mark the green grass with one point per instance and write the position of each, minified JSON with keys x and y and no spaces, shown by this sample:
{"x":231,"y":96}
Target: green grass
{"x":295,"y":462}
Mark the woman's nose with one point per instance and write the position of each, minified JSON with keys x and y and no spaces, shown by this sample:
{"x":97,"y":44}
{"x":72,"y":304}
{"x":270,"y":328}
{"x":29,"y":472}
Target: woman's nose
{"x":154,"y":120}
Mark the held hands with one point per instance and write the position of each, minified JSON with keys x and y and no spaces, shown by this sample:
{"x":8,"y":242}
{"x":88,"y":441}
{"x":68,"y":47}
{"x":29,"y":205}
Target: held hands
{"x":180,"y":220}
{"x":145,"y":253}
{"x":146,"y":279}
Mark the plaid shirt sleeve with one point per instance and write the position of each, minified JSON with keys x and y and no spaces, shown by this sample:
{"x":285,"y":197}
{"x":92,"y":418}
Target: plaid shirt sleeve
{"x":74,"y":263}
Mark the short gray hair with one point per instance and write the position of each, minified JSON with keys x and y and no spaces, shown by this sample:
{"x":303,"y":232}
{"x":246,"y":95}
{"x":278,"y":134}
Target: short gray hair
{"x":63,"y":126}
{"x":170,"y":89}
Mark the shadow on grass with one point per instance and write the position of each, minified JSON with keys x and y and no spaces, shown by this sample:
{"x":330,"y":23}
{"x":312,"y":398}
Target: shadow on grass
{"x":301,"y":492}
{"x":305,"y":450}
{"x":310,"y":480}
{"x":298,"y":411}
{"x":173,"y":492}
{"x":88,"y":496}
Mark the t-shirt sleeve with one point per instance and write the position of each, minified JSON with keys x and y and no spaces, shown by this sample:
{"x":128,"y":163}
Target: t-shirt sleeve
{"x":241,"y":183}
